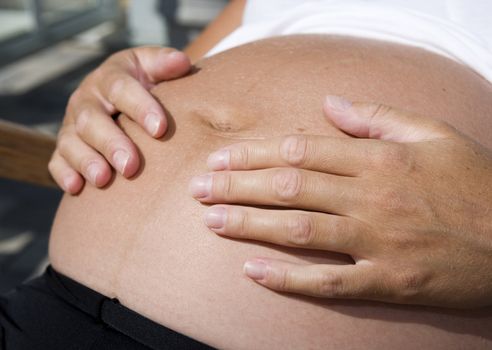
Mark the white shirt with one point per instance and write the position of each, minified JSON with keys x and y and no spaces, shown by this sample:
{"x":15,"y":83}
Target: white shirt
{"x":458,"y":29}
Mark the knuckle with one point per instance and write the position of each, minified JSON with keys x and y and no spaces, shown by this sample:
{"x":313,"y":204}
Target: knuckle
{"x":240,"y":157}
{"x":242,"y":219}
{"x":338,"y":225}
{"x":52,"y":166}
{"x":115,"y":88}
{"x":63,"y":142}
{"x":223,"y":185}
{"x":99,"y":73}
{"x":394,"y":156}
{"x":406,"y":241}
{"x":81,"y":120}
{"x":98,"y":76}
{"x":281,"y":281}
{"x":409,"y":284}
{"x":74,"y":98}
{"x":122,"y":54}
{"x":342,"y":234}
{"x":444,"y":129}
{"x":378,"y":156}
{"x":401,"y":241}
{"x":287,"y":184}
{"x":400,"y":157}
{"x":300,"y":230}
{"x":293,"y":149}
{"x":375,"y":114}
{"x":61,"y":133}
{"x":331,"y":285}
{"x":389,"y":199}
{"x":382,"y":110}
{"x":113,"y":60}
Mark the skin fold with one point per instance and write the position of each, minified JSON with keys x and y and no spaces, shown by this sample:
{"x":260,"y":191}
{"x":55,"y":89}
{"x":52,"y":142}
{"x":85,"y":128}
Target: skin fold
{"x":143,"y":240}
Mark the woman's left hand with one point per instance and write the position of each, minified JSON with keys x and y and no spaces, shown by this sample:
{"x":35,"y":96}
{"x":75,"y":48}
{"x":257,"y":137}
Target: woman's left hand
{"x":412,"y":205}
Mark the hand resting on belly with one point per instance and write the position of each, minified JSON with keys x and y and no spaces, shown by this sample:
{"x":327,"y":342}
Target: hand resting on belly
{"x":143,"y":240}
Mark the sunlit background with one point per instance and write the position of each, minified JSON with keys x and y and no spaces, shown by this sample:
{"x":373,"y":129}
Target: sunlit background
{"x":46,"y":48}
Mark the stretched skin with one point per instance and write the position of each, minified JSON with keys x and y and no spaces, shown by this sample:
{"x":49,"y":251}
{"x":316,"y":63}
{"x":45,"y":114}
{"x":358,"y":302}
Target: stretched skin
{"x":143,"y":240}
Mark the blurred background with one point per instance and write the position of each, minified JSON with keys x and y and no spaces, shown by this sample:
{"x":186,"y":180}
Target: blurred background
{"x":46,"y":49}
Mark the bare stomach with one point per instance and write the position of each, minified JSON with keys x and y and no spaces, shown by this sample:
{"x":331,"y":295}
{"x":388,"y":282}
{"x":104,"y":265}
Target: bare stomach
{"x":144,"y":241}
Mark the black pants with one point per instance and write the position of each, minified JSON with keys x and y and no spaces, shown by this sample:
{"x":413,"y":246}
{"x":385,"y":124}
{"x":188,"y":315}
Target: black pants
{"x":55,"y":312}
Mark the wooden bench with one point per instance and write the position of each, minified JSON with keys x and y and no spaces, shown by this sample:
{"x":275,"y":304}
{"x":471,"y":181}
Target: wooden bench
{"x":25,"y":153}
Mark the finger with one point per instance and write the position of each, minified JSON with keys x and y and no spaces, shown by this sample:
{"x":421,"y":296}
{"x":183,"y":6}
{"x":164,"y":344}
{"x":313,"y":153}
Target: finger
{"x":326,"y":281}
{"x":159,"y":64}
{"x":82,"y":158}
{"x":378,"y":121}
{"x":66,"y":177}
{"x":126,"y":89}
{"x":294,"y":188}
{"x":127,"y":95}
{"x":319,"y":153}
{"x":291,"y":228}
{"x":100,"y":132}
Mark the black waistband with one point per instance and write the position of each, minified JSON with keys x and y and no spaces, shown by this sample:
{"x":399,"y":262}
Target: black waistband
{"x":112,"y":313}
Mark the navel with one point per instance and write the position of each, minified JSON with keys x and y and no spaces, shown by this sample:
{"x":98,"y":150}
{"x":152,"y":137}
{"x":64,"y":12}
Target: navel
{"x":224,"y":119}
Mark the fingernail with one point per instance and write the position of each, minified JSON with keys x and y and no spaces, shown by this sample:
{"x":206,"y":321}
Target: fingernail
{"x":93,"y":173}
{"x":174,"y":54}
{"x":216,"y":217}
{"x":338,"y":103}
{"x":152,"y":123}
{"x":255,"y":269}
{"x":120,"y":160}
{"x":67,"y":182}
{"x":201,"y":186}
{"x":219,"y":160}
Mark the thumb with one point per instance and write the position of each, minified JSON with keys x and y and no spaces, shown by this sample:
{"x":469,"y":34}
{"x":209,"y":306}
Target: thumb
{"x":378,"y":121}
{"x":156,"y":64}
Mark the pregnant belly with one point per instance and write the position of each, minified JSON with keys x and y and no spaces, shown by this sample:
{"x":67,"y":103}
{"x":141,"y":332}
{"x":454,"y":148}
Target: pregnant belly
{"x":144,"y":242}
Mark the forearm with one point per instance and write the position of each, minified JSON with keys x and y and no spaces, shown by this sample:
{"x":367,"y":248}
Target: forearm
{"x":228,"y":20}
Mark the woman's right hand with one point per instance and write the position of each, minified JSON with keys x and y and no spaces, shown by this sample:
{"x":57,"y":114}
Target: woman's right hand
{"x":89,"y":142}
